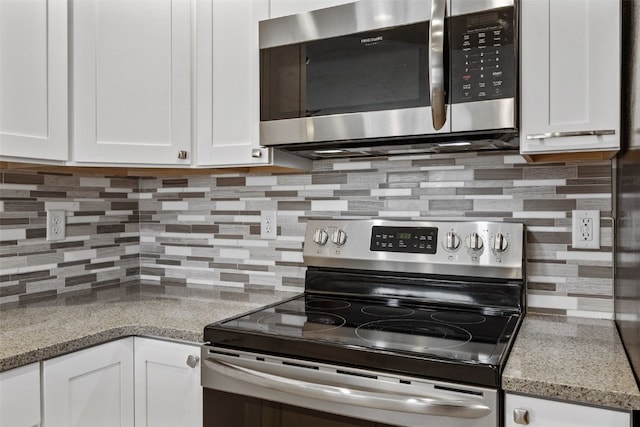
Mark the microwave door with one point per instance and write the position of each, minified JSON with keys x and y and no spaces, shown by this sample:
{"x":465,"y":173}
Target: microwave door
{"x":353,"y":86}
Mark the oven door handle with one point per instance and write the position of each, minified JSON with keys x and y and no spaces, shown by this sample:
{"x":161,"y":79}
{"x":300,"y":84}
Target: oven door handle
{"x":423,"y":404}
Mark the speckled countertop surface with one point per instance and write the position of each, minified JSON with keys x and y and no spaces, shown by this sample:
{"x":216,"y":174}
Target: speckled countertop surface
{"x":574,"y":359}
{"x":45,"y":329}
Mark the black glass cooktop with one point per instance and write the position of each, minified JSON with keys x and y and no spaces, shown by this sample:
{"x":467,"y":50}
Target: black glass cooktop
{"x":394,"y":334}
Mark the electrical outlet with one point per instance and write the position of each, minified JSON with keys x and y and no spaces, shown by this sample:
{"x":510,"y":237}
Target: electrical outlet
{"x":56,"y":225}
{"x":268,"y":226}
{"x":585,"y":229}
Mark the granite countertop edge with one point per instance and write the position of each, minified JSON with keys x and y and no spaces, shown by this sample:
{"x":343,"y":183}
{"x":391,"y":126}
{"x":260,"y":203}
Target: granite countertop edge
{"x":110,"y":334}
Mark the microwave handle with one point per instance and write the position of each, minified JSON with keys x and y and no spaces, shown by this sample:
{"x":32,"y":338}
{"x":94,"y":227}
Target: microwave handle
{"x":436,"y":64}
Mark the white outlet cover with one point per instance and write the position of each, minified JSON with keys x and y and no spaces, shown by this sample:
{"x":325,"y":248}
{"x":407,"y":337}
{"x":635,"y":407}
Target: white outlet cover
{"x":268,"y":225}
{"x":576,"y":222}
{"x":56,"y":225}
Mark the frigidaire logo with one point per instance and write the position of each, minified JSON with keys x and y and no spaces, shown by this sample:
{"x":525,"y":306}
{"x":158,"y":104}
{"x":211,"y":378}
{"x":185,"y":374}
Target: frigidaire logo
{"x":371,"y":40}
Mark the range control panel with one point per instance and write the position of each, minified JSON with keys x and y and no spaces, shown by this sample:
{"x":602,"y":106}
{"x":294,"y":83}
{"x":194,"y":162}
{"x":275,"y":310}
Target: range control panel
{"x":477,"y":248}
{"x":420,"y":240}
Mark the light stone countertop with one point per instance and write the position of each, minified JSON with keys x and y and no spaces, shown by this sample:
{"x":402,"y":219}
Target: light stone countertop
{"x":573,"y":359}
{"x":567,"y":358}
{"x":46,"y":329}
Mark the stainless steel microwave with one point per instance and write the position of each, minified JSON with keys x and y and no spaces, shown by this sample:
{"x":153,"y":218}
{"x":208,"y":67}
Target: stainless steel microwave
{"x":436,"y":73}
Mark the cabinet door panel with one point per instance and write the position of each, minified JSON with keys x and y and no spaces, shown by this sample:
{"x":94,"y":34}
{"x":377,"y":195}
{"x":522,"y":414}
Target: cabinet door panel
{"x":168,"y":391}
{"x":570,"y":74}
{"x":91,"y":387}
{"x":20,"y":396}
{"x":33,"y":79}
{"x":132,"y":80}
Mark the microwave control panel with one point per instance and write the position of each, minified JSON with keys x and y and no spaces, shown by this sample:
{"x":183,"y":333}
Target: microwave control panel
{"x":483,"y":55}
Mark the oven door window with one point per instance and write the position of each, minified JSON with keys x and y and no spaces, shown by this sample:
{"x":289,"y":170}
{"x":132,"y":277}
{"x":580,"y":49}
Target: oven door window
{"x":223,"y":409}
{"x":372,"y":71}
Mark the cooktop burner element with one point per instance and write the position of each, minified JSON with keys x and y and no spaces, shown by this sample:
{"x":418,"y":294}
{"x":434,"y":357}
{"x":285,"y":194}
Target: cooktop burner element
{"x":440,"y":300}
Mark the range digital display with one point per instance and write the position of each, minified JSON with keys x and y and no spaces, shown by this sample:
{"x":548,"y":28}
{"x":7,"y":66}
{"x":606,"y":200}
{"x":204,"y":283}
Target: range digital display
{"x":419,"y":240}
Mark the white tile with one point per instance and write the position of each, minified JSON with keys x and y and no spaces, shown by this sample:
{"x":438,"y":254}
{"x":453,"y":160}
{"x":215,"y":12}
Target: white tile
{"x":329,"y":205}
{"x":13,"y":234}
{"x":70,"y":255}
{"x":175,"y":206}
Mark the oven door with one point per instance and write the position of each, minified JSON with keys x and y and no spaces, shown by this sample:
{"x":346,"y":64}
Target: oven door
{"x":252,"y":390}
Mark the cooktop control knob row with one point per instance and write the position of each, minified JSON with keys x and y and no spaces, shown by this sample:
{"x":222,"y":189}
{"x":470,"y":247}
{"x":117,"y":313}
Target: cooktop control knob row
{"x":499,"y":243}
{"x":339,"y":237}
{"x":320,"y":236}
{"x":474,"y":242}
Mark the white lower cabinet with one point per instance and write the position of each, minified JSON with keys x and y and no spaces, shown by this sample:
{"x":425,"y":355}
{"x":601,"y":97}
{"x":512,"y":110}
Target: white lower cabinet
{"x":534,"y":412}
{"x":139,"y":382}
{"x":91,"y":387}
{"x":20,"y":396}
{"x":167,"y":384}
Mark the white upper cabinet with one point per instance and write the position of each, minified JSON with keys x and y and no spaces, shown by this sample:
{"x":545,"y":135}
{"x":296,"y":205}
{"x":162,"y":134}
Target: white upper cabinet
{"x":227,"y":95}
{"x":132,"y":81}
{"x":570,"y":76}
{"x":279,"y":8}
{"x":33,"y":79}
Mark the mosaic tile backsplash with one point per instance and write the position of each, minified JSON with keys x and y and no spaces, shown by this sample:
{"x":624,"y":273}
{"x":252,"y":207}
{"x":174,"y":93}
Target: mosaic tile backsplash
{"x":203,"y":230}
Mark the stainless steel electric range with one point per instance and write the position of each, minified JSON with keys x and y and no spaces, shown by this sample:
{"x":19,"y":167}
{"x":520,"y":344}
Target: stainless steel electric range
{"x":404,"y":323}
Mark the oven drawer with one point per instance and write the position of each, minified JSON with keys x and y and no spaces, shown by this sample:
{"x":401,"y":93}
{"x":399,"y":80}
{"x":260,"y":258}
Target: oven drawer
{"x":247,"y":379}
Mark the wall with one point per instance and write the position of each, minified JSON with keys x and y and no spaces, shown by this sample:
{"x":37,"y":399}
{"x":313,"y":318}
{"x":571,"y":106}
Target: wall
{"x":201,"y":230}
{"x":102,"y":245}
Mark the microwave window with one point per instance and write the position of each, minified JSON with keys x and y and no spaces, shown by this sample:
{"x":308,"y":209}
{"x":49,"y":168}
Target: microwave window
{"x":371,"y":71}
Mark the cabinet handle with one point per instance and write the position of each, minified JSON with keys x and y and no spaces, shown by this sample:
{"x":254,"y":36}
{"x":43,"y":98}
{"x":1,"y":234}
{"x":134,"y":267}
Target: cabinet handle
{"x":192,"y":361}
{"x":521,"y":416}
{"x":256,"y":153}
{"x":182,"y":154}
{"x":574,"y":133}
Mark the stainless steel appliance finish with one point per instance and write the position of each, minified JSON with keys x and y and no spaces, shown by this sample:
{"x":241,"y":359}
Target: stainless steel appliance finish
{"x":363,"y":394}
{"x":402,"y":323}
{"x":476,"y":55}
{"x":485,"y":260}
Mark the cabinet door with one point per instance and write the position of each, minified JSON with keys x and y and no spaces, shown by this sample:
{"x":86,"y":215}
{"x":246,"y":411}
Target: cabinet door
{"x":570,"y":75}
{"x":227,"y":95}
{"x":91,"y":387}
{"x":131,"y":81}
{"x":168,"y":391}
{"x":290,"y":7}
{"x":20,"y":396}
{"x":33,"y":79}
{"x":548,"y":413}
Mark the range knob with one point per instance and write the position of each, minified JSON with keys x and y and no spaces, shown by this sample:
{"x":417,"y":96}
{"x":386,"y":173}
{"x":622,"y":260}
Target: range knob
{"x":320,"y":236}
{"x":339,"y":237}
{"x":499,"y":243}
{"x":452,"y":241}
{"x":474,"y":242}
